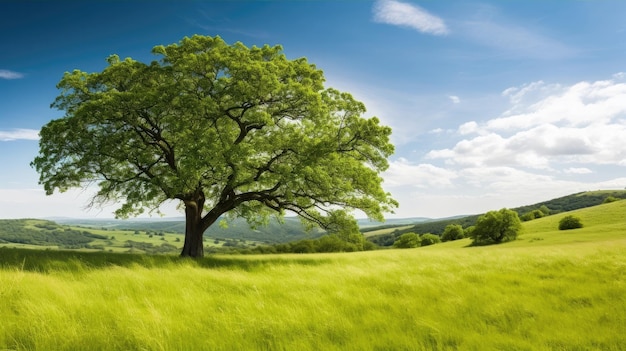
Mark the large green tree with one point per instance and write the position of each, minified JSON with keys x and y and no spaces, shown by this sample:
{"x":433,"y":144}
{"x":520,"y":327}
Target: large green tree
{"x":224,"y":129}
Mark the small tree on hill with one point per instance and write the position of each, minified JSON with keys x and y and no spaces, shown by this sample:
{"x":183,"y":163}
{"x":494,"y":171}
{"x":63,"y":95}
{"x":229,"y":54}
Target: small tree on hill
{"x":429,"y":239}
{"x":224,"y":130}
{"x":452,"y":232}
{"x":496,"y":227}
{"x":570,"y":222}
{"x":407,"y":241}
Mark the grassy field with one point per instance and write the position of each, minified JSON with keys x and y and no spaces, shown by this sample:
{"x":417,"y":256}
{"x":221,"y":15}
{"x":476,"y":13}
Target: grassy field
{"x":549,"y":290}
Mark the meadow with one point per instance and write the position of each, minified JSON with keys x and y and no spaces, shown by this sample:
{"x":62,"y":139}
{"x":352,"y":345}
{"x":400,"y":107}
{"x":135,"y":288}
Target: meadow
{"x":549,"y":290}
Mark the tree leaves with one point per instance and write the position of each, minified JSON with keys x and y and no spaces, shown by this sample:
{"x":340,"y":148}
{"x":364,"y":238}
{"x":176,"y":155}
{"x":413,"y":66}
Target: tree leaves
{"x":245,"y":130}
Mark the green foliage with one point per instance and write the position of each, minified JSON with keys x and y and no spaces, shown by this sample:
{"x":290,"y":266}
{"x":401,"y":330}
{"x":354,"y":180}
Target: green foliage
{"x":327,"y":243}
{"x":544,"y":210}
{"x":453,"y":232}
{"x":570,"y":222}
{"x":534,"y":214}
{"x":407,"y":241}
{"x":610,"y":199}
{"x":225,"y":129}
{"x":496,"y":227}
{"x":429,"y":239}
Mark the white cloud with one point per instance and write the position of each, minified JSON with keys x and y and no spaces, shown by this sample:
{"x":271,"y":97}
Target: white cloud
{"x":581,"y":104}
{"x":578,"y":170}
{"x":581,"y":123}
{"x":407,"y":15}
{"x":552,"y":140}
{"x":455,"y":99}
{"x":401,"y":173}
{"x":436,"y":131}
{"x":19,"y":134}
{"x":468,"y":128}
{"x":6,"y":74}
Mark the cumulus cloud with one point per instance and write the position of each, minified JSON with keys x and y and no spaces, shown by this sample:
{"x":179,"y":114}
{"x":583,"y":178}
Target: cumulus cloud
{"x":552,"y":140}
{"x":407,"y":15}
{"x":455,"y":99}
{"x":19,"y":134}
{"x":468,"y":128}
{"x":6,"y":74}
{"x":581,"y":123}
{"x":581,"y":104}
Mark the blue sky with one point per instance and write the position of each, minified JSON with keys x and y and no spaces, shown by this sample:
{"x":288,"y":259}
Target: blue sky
{"x":493,"y":103}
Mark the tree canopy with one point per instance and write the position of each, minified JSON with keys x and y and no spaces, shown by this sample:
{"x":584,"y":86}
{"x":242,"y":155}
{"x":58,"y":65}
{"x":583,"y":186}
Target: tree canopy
{"x":453,"y":232}
{"x":224,"y":129}
{"x":497,"y":227}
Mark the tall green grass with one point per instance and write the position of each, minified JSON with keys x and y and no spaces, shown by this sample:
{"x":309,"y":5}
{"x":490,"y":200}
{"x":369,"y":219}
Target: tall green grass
{"x":550,"y":290}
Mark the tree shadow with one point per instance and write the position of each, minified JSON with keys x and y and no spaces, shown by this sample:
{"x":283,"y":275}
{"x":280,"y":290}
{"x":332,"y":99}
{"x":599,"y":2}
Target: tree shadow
{"x":47,"y":261}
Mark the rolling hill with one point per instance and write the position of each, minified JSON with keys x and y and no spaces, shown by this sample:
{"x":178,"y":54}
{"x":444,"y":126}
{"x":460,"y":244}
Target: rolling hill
{"x":558,"y":205}
{"x":80,"y":233}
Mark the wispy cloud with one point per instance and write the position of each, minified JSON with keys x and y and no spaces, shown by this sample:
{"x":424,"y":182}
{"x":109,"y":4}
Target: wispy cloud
{"x":510,"y":37}
{"x":6,"y":74}
{"x":407,"y":15}
{"x":578,"y":170}
{"x":455,"y":99}
{"x":19,"y":134}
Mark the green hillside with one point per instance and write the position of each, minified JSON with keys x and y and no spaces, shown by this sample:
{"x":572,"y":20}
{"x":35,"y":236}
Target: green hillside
{"x":558,"y":205}
{"x":548,"y":290}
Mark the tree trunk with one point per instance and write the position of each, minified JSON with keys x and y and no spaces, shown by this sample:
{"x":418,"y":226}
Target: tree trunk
{"x":194,"y":230}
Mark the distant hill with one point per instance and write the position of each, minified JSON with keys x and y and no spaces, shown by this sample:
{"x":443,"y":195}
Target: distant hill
{"x":364,"y":224}
{"x":58,"y":232}
{"x":558,"y":205}
{"x":275,"y":232}
{"x":43,"y":233}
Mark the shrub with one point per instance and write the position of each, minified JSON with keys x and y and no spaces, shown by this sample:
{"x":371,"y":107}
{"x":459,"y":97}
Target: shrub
{"x":534,"y":214}
{"x":570,"y":222}
{"x":452,"y":232}
{"x":429,"y":239}
{"x":407,"y":241}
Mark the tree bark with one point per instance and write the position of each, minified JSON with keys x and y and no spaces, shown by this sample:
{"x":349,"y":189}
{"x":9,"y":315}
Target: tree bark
{"x":194,"y":230}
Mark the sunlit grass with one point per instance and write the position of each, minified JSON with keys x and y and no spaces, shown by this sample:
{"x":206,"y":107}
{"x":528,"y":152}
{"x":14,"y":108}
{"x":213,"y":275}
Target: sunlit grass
{"x":550,"y":290}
